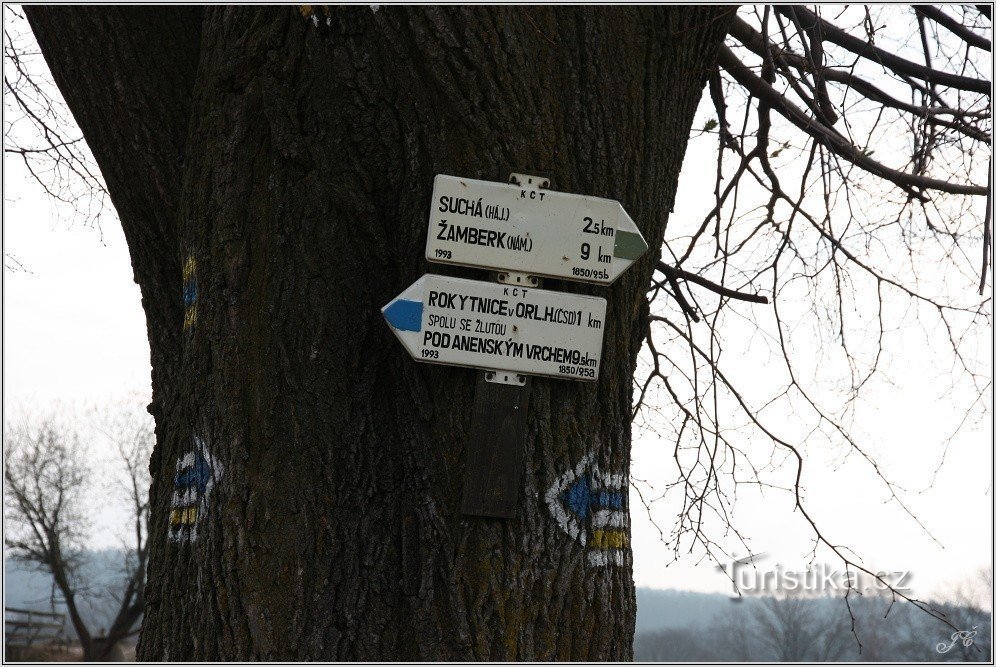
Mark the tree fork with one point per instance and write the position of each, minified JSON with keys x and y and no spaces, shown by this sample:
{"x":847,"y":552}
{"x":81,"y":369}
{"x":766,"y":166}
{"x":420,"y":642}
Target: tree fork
{"x":271,"y":167}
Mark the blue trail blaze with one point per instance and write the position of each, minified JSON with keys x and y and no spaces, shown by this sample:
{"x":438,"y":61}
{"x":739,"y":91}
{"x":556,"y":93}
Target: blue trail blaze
{"x":578,"y":497}
{"x":404,"y":315}
{"x":196,"y":475}
{"x":189,"y":292}
{"x":581,"y":499}
{"x":608,"y":500}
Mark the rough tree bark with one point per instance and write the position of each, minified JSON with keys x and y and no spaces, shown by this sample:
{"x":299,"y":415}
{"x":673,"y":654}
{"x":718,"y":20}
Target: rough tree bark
{"x":273,"y":168}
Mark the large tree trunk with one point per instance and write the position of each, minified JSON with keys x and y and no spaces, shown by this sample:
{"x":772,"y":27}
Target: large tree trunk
{"x":275,"y":166}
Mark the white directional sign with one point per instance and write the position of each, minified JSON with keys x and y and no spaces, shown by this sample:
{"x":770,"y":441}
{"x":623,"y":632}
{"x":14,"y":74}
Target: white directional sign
{"x":539,"y":232}
{"x":447,"y":320}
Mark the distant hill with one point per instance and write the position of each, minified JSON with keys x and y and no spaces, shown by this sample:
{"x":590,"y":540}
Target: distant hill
{"x":658,"y":609}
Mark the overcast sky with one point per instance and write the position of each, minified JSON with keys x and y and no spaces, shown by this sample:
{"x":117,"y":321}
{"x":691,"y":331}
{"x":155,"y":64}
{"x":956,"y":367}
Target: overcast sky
{"x":74,"y":333}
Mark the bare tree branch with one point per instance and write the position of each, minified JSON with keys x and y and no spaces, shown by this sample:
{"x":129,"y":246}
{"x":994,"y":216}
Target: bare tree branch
{"x":828,"y":137}
{"x":971,"y":38}
{"x":859,"y":47}
{"x":673,"y":272}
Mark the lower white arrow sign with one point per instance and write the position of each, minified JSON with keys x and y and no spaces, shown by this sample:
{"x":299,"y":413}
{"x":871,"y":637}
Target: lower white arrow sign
{"x":446,"y":320}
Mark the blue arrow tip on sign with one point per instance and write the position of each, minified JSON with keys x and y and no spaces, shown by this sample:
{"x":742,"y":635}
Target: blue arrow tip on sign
{"x":404,"y":315}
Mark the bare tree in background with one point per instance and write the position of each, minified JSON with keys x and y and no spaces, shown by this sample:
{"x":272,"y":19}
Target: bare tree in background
{"x":734,"y":634}
{"x":792,"y":629}
{"x":129,"y":427}
{"x":49,"y":493}
{"x":674,"y":645}
{"x":789,"y":627}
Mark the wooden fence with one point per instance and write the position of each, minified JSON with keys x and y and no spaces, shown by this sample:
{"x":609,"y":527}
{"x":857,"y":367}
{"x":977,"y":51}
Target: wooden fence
{"x":28,"y":629}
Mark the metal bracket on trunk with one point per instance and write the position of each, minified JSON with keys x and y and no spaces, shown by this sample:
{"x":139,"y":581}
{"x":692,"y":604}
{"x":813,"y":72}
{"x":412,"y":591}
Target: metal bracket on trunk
{"x":513,"y":278}
{"x":495,"y":458}
{"x":504,"y":377}
{"x":530,"y":181}
{"x":527,"y":182}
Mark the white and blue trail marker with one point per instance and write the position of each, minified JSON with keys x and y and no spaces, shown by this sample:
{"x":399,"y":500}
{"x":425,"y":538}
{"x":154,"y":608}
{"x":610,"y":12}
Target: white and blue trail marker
{"x":537,"y":232}
{"x":506,"y":328}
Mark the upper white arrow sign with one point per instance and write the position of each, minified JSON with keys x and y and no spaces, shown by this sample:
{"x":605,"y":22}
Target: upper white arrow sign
{"x":537,"y":232}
